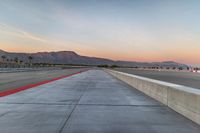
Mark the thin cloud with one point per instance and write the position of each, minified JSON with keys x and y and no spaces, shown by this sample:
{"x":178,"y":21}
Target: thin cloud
{"x":20,"y":33}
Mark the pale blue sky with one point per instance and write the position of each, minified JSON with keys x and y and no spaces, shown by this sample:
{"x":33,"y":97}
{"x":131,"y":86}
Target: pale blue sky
{"x":141,"y":30}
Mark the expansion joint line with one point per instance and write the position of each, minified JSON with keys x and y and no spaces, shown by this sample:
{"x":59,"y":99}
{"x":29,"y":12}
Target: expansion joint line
{"x":68,"y":117}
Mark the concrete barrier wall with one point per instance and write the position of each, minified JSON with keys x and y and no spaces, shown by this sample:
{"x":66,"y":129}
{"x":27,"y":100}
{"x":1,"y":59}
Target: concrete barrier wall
{"x":182,"y":99}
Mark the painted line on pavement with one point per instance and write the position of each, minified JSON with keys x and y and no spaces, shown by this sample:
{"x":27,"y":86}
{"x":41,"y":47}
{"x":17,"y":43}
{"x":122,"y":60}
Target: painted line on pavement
{"x":22,"y":88}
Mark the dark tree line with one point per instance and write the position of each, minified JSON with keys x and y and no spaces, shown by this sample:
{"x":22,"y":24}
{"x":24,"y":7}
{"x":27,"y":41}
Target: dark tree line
{"x":15,"y":62}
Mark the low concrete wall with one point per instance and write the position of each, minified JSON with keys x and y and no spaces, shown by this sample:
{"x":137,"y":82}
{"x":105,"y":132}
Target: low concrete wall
{"x":182,"y":99}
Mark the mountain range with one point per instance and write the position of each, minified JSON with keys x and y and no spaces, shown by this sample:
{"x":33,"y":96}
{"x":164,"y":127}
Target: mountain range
{"x":70,"y":57}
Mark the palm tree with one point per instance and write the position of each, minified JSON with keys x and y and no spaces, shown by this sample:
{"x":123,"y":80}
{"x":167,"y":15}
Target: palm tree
{"x":3,"y":57}
{"x":20,"y":62}
{"x":11,"y":60}
{"x":7,"y":62}
{"x":30,"y":60}
{"x":16,"y":59}
{"x":180,"y":68}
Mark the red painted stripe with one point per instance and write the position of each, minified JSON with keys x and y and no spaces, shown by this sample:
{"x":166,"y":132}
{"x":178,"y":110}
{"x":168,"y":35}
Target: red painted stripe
{"x":12,"y":91}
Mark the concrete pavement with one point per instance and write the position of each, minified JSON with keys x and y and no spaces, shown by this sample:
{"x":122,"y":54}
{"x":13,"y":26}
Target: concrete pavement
{"x":182,"y":78}
{"x":13,"y":80}
{"x":91,"y":102}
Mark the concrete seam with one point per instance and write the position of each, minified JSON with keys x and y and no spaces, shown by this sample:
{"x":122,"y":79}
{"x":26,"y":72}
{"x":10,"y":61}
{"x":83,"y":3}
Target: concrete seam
{"x":86,"y":104}
{"x":66,"y":120}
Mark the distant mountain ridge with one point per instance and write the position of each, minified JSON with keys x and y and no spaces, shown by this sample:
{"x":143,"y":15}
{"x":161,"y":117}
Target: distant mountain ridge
{"x":70,"y":57}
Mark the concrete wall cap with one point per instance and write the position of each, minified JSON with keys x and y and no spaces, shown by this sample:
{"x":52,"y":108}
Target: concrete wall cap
{"x":171,"y":85}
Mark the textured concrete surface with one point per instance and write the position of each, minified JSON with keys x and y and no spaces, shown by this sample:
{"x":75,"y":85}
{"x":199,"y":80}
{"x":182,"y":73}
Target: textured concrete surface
{"x":184,"y":100}
{"x":183,"y":78}
{"x":91,"y":102}
{"x":14,"y":80}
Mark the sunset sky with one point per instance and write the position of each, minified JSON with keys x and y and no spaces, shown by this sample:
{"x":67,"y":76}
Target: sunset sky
{"x":134,"y":30}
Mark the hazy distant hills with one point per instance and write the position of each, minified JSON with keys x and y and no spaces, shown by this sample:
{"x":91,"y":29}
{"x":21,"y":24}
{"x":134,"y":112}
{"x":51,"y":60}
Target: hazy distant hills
{"x":70,"y":57}
{"x":60,"y":57}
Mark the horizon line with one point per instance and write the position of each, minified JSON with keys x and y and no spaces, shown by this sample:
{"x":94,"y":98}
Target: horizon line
{"x":95,"y":56}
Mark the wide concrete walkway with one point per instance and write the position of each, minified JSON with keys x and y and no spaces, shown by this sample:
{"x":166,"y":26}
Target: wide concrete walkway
{"x":91,"y":102}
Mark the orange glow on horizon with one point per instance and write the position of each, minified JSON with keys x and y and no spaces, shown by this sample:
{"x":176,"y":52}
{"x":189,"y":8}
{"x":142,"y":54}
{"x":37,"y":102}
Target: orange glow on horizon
{"x":145,"y":57}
